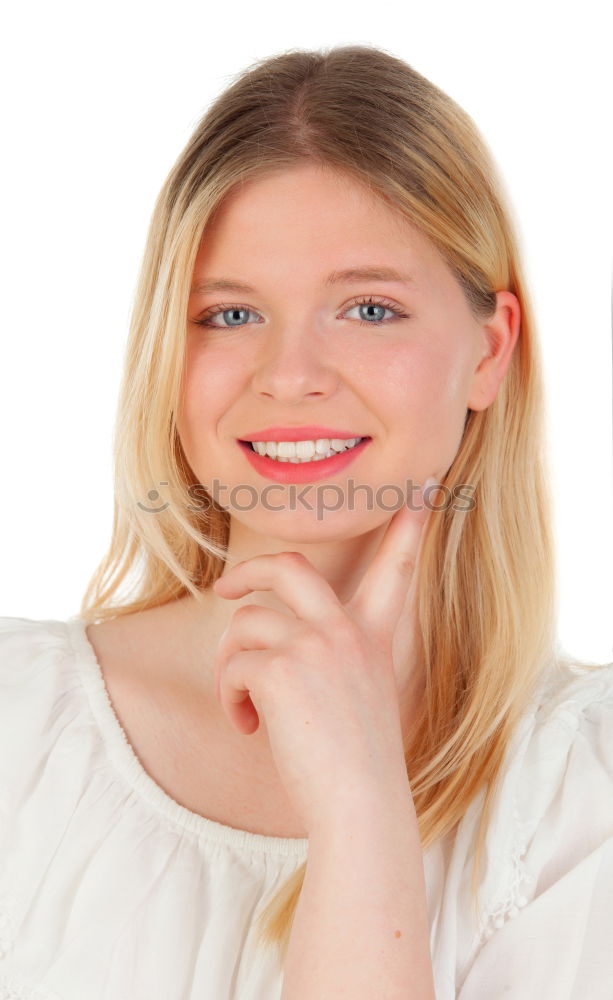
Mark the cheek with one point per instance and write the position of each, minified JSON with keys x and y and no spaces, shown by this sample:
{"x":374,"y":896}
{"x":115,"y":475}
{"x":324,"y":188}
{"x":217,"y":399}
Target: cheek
{"x":201,"y":403}
{"x":210,"y":382}
{"x":429,"y":389}
{"x":426,"y":381}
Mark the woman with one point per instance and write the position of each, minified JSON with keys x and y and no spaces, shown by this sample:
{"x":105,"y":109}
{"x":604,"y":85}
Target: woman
{"x":324,"y":743}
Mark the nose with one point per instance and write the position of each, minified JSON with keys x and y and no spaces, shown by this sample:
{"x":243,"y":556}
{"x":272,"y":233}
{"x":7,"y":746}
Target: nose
{"x":294,"y":365}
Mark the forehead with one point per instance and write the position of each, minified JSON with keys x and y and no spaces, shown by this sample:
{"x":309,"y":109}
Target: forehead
{"x":310,"y":179}
{"x":311,"y":217}
{"x":307,"y":193}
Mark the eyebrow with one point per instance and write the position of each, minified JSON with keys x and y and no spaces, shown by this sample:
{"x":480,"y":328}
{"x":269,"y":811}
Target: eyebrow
{"x":374,"y":272}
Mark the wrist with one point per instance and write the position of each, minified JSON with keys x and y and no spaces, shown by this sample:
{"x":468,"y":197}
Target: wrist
{"x":366,"y":808}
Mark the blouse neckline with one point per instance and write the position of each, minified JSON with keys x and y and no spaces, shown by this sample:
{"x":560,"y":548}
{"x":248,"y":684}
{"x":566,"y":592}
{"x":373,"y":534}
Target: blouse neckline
{"x":124,"y":758}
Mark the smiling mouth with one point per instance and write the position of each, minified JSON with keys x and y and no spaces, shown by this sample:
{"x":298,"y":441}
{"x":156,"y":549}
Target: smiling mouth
{"x":303,"y":452}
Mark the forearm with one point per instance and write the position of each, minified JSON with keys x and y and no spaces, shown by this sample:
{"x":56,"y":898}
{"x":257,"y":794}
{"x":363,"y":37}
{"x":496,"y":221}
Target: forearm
{"x":361,"y":925}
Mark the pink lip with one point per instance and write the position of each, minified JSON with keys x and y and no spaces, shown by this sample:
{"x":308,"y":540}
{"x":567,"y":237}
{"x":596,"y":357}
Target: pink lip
{"x":298,"y":434}
{"x":301,"y":472}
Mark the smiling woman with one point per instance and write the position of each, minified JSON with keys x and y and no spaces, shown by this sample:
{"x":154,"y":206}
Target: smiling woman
{"x":303,"y":344}
{"x":325,"y":742}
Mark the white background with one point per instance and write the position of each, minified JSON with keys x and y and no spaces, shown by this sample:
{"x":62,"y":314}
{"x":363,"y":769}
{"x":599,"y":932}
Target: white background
{"x":98,"y":101}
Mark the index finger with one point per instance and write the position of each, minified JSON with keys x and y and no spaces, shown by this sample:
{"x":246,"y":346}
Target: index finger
{"x":382,"y":591}
{"x":291,"y":576}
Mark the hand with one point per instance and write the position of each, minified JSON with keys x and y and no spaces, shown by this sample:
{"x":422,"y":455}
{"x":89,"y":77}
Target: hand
{"x":323,"y":678}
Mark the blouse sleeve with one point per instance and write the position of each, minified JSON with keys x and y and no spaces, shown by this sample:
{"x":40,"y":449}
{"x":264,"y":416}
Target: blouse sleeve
{"x":559,"y":942}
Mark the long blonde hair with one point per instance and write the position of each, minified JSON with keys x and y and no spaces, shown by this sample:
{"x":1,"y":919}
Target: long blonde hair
{"x":486,"y":598}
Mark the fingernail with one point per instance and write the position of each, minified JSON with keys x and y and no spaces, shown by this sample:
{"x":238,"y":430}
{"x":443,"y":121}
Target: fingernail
{"x":431,"y":481}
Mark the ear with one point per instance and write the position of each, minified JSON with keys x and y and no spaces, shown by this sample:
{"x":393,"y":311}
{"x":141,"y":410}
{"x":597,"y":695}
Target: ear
{"x":499,"y":336}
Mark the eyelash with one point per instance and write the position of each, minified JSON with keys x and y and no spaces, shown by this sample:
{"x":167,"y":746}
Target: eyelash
{"x":366,"y":300}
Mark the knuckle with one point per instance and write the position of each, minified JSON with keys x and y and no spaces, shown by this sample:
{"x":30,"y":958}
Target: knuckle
{"x":405,"y":564}
{"x":244,"y":611}
{"x":292,"y":558}
{"x":280,"y":661}
{"x":346,"y":629}
{"x":310,"y":640}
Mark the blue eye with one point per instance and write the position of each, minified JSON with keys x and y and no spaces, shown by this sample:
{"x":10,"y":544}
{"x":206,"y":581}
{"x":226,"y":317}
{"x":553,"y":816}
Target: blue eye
{"x":374,"y":312}
{"x":233,"y":320}
{"x":227,"y":312}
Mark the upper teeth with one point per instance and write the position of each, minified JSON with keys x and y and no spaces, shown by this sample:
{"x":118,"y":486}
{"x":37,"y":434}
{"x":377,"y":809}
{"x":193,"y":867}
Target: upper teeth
{"x":303,"y":451}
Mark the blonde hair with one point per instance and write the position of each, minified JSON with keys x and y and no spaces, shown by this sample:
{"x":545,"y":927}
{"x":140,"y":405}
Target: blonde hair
{"x":486,"y":594}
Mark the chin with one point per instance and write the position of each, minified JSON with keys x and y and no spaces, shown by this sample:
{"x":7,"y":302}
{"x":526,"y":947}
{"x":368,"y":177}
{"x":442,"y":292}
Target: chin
{"x":308,"y":527}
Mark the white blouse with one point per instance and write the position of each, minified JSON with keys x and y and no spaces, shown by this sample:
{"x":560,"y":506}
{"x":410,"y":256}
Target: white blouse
{"x":111,"y":890}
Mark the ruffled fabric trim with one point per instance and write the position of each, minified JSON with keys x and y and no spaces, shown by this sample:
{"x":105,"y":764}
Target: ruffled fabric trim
{"x":18,"y":989}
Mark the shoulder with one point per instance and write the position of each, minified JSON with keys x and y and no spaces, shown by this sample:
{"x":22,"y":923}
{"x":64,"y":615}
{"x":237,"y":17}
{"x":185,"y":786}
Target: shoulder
{"x":570,"y":747}
{"x":28,"y":646}
{"x":549,"y":846}
{"x":560,"y":769}
{"x":38,"y":673}
{"x":564,"y":791}
{"x":569,"y":688}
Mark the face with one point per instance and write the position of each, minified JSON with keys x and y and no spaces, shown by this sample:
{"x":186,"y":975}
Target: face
{"x":395,"y":359}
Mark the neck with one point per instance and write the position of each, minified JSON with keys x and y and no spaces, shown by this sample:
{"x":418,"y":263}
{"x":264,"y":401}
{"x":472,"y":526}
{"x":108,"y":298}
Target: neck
{"x":341,"y":561}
